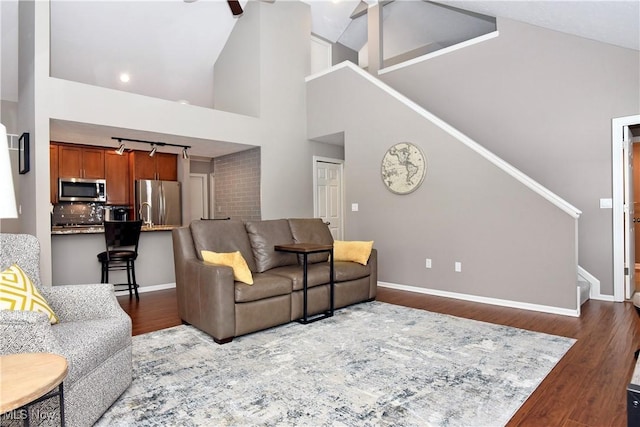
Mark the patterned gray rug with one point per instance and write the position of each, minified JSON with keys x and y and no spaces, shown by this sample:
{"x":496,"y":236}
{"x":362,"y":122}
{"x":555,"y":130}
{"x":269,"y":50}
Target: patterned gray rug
{"x":371,"y":364}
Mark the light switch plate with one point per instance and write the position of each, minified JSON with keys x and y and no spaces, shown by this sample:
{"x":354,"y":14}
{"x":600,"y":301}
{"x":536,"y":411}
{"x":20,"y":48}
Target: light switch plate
{"x":606,"y":203}
{"x":354,"y":207}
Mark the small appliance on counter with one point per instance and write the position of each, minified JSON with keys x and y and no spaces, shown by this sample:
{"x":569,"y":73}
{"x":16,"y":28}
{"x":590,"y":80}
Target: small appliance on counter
{"x":78,"y":214}
{"x":116,"y":213}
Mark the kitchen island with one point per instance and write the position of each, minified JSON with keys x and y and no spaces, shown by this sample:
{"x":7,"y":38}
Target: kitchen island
{"x":74,"y":254}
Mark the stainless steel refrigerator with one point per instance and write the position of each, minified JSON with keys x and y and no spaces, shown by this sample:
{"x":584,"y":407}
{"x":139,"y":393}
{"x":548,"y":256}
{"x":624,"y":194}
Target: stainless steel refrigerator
{"x":158,"y":202}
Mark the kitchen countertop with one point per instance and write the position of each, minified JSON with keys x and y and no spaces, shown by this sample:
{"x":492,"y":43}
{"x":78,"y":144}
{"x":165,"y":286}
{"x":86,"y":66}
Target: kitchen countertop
{"x":100,"y":229}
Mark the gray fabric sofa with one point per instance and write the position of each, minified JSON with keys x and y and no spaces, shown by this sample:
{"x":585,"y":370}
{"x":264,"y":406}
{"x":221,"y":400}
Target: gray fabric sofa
{"x":93,"y":334}
{"x":210,"y":299}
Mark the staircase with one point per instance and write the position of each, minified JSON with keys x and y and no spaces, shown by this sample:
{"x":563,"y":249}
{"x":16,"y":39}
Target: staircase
{"x":585,"y":288}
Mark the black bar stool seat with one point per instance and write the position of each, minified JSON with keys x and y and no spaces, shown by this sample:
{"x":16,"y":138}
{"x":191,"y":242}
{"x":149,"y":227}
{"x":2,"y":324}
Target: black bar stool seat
{"x":121,"y":240}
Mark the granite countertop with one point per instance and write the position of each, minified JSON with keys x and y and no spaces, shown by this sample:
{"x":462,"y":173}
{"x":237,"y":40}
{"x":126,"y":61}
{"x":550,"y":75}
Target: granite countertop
{"x":100,"y":229}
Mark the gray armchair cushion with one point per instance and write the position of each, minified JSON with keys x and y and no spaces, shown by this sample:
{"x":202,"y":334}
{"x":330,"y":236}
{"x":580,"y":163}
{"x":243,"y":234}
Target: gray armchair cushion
{"x":264,"y":235}
{"x":24,"y":250}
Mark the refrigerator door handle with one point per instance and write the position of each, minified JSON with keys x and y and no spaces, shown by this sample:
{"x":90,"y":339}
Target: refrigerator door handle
{"x":162,"y":204}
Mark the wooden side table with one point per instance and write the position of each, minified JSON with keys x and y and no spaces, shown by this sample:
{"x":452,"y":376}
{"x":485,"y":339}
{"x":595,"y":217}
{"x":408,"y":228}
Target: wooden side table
{"x":29,"y":378}
{"x":305,"y":249}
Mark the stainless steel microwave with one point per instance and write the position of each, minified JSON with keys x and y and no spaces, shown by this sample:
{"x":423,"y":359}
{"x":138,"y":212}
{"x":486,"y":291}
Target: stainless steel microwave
{"x":82,"y":190}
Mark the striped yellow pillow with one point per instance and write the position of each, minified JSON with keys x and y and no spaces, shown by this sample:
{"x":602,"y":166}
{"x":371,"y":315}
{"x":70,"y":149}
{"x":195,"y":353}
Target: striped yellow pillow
{"x":18,"y":293}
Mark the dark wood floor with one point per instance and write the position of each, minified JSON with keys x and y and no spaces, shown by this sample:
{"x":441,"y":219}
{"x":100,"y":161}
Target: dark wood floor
{"x":586,"y":388}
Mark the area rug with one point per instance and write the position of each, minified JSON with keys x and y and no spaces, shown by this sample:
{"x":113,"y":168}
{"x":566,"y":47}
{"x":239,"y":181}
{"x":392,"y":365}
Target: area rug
{"x":372,"y":364}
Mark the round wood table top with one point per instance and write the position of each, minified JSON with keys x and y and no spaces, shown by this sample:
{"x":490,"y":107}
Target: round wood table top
{"x":24,"y":377}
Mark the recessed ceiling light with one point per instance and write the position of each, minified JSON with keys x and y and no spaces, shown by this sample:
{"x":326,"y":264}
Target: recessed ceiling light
{"x":124,"y":77}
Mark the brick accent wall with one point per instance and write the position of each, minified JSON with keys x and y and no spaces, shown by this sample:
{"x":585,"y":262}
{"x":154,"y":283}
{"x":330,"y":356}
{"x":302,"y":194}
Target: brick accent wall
{"x":237,"y":182}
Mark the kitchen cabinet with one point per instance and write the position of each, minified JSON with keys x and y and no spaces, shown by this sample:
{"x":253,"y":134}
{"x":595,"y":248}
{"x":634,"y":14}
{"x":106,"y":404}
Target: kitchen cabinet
{"x":117,"y":176}
{"x":53,"y":173}
{"x":80,"y":162}
{"x":162,"y":166}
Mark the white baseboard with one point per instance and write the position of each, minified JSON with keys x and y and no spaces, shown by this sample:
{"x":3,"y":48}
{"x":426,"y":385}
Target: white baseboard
{"x":143,"y":289}
{"x":484,"y":300}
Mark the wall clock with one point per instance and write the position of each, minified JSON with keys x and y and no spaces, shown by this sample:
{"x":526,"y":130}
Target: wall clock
{"x":403,"y":168}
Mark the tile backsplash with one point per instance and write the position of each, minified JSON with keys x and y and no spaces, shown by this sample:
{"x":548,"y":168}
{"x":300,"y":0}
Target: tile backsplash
{"x":78,"y":214}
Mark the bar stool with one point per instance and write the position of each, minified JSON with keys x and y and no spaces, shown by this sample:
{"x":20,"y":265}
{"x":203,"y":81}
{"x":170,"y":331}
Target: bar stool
{"x":121,"y":240}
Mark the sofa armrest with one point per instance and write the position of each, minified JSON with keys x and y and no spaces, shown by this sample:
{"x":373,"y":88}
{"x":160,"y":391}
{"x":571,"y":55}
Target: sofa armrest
{"x":26,"y":332}
{"x":83,"y":302}
{"x":206,"y":292}
{"x":373,"y":284}
{"x":208,"y":298}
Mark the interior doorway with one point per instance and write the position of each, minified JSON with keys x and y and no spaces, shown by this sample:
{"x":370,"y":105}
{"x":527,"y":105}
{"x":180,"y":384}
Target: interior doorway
{"x":199,"y":196}
{"x":328,"y":194}
{"x":624,"y":131}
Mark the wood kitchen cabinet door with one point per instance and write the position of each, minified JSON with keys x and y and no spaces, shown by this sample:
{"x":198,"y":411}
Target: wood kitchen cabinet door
{"x":163,"y":166}
{"x":117,"y":176}
{"x":167,"y":166}
{"x":53,"y":173}
{"x":142,"y":166}
{"x":80,"y":162}
{"x":69,"y":161}
{"x":93,"y":162}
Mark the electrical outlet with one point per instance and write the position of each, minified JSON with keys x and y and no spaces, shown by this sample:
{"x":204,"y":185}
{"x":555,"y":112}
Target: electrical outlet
{"x":427,"y":263}
{"x":458,"y":267}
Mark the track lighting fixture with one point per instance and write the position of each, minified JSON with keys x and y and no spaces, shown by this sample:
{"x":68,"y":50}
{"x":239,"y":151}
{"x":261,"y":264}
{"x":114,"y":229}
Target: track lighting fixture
{"x":154,"y":146}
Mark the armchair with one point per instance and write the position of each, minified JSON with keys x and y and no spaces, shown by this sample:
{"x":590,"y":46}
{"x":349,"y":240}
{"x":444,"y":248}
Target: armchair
{"x":93,"y":334}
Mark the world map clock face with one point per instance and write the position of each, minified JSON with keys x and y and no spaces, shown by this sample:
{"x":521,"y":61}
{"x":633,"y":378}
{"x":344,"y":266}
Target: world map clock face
{"x":403,"y":168}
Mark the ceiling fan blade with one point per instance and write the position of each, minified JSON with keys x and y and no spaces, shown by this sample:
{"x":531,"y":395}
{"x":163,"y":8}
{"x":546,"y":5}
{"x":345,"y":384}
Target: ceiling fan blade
{"x":235,"y":7}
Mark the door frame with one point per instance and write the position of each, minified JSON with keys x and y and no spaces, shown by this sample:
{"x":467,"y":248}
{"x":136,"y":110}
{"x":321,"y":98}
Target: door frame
{"x":203,"y":177}
{"x":618,"y":186}
{"x":340,"y":162}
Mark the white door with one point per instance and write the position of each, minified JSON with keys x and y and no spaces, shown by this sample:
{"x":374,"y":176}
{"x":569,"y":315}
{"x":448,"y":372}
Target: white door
{"x":629,"y":215}
{"x":199,"y":196}
{"x":328,"y":194}
{"x":619,"y":132}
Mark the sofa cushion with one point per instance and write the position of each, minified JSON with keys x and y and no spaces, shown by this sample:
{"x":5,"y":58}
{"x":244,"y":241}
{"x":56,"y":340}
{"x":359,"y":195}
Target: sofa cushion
{"x":346,"y":270}
{"x":222,"y":236}
{"x":311,"y":230}
{"x":263,"y":236}
{"x":317,"y":274}
{"x":265,"y":285}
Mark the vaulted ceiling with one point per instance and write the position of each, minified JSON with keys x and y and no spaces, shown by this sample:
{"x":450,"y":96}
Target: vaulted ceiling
{"x":168,"y":47}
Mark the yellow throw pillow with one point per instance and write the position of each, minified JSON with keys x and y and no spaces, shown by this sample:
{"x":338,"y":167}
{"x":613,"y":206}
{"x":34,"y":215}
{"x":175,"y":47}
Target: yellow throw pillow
{"x":241,"y":271}
{"x":18,"y":293}
{"x":352,"y":251}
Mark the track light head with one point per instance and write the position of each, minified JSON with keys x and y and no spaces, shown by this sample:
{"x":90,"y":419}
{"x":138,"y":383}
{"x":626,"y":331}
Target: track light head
{"x":153,"y":151}
{"x":120,"y":149}
{"x":185,"y":155}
